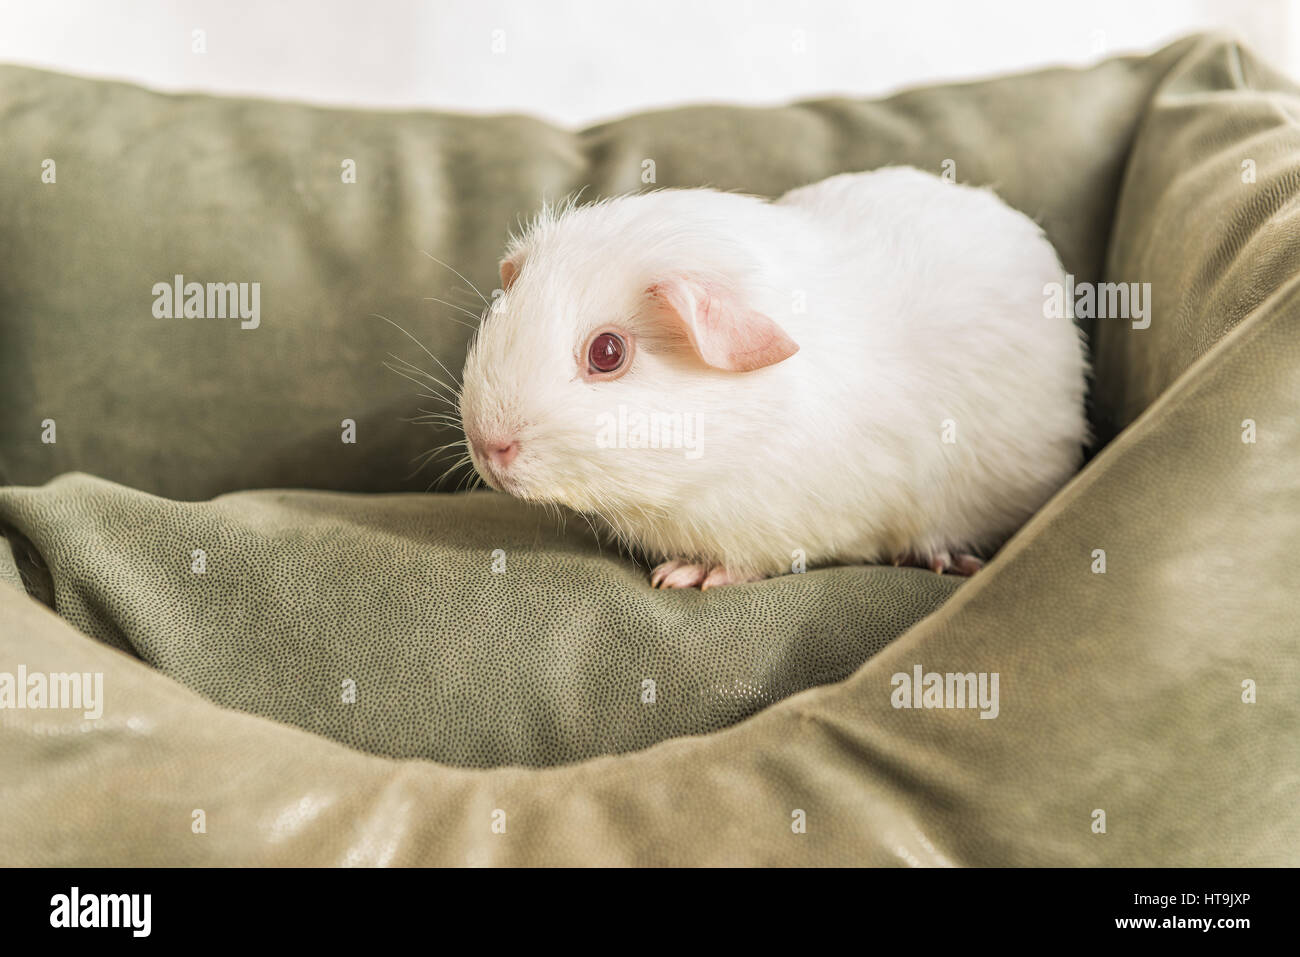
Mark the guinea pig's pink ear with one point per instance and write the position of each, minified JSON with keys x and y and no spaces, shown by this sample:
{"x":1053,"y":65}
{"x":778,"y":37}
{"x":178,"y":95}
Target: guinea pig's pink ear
{"x":726,"y":333}
{"x":510,"y":267}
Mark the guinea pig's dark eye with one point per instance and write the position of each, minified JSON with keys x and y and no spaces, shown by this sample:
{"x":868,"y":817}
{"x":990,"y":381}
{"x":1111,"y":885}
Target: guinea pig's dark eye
{"x":607,"y":352}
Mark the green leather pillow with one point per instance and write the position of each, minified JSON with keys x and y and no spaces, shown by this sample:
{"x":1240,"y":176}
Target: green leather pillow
{"x":466,"y":629}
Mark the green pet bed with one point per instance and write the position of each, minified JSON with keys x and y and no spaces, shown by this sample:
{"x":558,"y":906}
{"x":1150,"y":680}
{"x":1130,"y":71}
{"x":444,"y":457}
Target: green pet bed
{"x":314,"y":651}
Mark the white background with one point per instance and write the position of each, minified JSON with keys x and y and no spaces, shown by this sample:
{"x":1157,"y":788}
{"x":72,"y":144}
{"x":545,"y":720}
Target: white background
{"x":582,"y":60}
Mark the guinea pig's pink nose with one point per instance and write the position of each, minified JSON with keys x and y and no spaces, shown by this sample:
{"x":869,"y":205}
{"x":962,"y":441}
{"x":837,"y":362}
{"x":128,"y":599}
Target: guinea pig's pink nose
{"x":502,"y":453}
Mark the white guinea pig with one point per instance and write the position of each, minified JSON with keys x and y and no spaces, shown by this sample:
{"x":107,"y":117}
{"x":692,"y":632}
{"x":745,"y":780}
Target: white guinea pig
{"x":860,"y":371}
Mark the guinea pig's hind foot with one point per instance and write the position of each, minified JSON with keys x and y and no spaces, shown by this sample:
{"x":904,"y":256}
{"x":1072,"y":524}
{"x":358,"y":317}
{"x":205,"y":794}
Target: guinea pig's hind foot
{"x":959,"y":563}
{"x":683,"y":574}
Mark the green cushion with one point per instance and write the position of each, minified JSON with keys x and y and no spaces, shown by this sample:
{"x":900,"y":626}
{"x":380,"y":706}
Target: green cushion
{"x":564,"y":653}
{"x":1162,"y":692}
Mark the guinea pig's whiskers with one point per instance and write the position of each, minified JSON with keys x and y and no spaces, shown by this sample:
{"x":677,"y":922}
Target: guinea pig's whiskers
{"x":412,"y":369}
{"x":438,"y":419}
{"x":459,"y":463}
{"x":421,"y":461}
{"x":477,"y":317}
{"x":462,"y":277}
{"x":466,"y":484}
{"x":449,"y":373}
{"x":437,"y":397}
{"x":595,"y":533}
{"x":438,"y":390}
{"x":426,"y":458}
{"x":430,"y":414}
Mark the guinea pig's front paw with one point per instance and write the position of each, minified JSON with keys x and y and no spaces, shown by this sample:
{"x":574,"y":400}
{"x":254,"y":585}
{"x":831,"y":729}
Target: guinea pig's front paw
{"x":683,"y":574}
{"x":961,"y":563}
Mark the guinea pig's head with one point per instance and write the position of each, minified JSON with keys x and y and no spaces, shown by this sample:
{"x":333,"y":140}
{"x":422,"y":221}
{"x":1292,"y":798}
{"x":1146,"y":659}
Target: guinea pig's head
{"x":609,"y":365}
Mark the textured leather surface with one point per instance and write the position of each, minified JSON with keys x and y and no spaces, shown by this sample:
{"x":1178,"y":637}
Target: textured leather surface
{"x":564,"y":653}
{"x":1206,"y":215}
{"x":1120,"y":692}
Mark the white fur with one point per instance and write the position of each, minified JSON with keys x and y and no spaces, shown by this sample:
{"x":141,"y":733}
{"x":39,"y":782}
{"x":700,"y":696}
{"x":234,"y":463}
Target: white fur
{"x":923,"y":303}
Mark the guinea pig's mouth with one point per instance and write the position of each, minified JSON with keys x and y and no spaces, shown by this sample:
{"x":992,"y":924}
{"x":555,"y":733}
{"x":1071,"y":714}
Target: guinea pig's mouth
{"x":498,"y":481}
{"x":490,"y":480}
{"x":516,"y":475}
